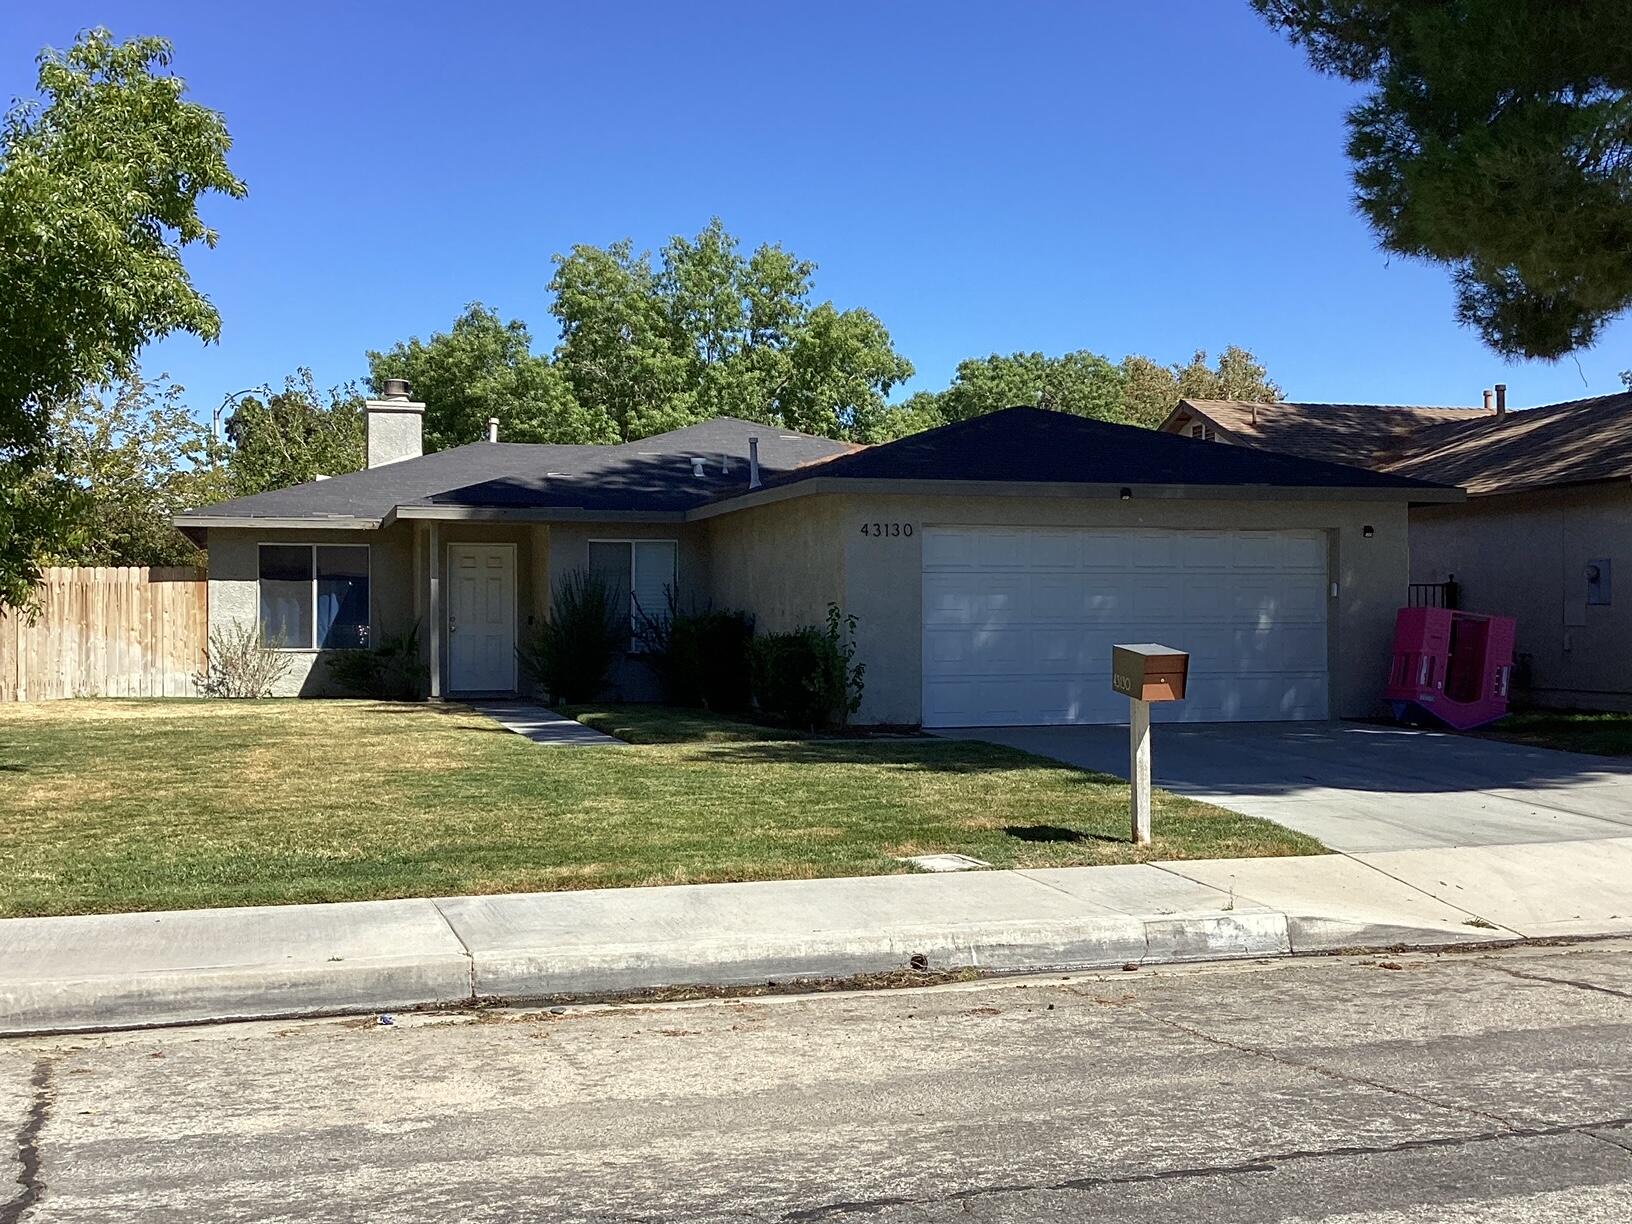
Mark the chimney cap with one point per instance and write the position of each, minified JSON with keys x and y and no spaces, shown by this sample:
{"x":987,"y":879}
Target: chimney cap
{"x":395,"y":388}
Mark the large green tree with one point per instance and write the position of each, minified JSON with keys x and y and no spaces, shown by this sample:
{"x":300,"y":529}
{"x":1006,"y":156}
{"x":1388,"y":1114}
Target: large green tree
{"x":100,"y":179}
{"x":1496,"y":139}
{"x":708,"y":331}
{"x":484,"y":367}
{"x":293,"y":436}
{"x":132,"y":456}
{"x":1138,"y":391}
{"x":1150,"y":389}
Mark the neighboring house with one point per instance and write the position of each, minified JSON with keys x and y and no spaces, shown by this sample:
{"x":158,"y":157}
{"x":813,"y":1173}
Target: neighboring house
{"x":991,"y":563}
{"x":1549,"y":510}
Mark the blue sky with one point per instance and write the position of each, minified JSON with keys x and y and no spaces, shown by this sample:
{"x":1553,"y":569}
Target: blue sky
{"x":1148,"y":178}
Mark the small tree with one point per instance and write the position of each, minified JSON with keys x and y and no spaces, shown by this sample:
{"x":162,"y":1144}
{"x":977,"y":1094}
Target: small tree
{"x":571,"y":653}
{"x":240,"y":664}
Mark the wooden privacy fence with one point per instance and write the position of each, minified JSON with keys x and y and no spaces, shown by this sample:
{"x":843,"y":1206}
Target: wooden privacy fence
{"x":107,"y":633}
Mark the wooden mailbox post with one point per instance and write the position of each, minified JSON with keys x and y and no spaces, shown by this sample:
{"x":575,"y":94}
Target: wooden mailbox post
{"x":1145,"y":672}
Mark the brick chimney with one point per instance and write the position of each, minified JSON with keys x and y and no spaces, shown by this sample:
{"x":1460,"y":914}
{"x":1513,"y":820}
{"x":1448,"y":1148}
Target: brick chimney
{"x":396,"y":425}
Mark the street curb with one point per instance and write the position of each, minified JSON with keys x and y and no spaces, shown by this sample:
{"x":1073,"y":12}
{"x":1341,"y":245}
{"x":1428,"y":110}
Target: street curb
{"x":440,"y":980}
{"x":214,"y":996}
{"x":1010,"y":947}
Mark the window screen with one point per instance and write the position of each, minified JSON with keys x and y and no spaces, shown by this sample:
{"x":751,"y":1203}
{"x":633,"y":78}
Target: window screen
{"x":342,"y":597}
{"x":653,"y":587}
{"x":640,"y":575}
{"x":610,"y":562}
{"x":314,"y":595}
{"x":286,"y":595}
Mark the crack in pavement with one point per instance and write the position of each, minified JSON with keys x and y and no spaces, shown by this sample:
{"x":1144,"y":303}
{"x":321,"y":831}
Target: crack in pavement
{"x":1557,"y":981}
{"x":1340,"y":1076}
{"x":28,"y":1144}
{"x":1268,"y":1163}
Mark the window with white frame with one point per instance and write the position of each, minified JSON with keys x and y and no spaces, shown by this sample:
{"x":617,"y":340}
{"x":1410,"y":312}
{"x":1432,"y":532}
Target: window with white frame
{"x":314,"y":596}
{"x":642,"y":576}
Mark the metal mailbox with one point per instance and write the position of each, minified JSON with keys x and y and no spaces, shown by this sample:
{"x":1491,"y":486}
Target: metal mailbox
{"x":1147,"y":671}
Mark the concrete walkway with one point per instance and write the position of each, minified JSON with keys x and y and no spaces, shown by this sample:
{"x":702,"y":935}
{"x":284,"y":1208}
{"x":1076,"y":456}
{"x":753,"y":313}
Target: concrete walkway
{"x":543,"y":725}
{"x":1360,"y":787}
{"x":126,"y":970}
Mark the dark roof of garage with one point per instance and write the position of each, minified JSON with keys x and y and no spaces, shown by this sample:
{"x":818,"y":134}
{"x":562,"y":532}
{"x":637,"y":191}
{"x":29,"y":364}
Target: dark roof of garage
{"x":1023,"y":445}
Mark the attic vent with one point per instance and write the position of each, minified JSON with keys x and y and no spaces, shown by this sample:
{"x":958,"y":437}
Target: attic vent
{"x":1203,"y":431}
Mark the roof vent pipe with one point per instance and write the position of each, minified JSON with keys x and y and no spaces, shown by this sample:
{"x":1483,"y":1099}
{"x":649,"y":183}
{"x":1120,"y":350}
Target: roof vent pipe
{"x":753,"y":463}
{"x":1489,"y":397}
{"x":492,"y":429}
{"x":1501,"y":399}
{"x":697,"y":468}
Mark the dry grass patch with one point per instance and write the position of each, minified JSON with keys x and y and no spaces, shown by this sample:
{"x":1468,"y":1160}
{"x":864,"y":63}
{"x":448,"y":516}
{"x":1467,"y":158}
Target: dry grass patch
{"x":121,"y":805}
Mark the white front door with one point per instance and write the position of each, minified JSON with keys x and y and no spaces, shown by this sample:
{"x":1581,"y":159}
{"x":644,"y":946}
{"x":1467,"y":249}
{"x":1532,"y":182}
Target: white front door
{"x":1019,"y":622}
{"x":481,"y":618}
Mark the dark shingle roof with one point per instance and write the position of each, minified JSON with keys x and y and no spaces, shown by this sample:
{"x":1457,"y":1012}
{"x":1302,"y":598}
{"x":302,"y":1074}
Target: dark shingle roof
{"x":1025,"y":445}
{"x":650,"y":474}
{"x":656,"y":475}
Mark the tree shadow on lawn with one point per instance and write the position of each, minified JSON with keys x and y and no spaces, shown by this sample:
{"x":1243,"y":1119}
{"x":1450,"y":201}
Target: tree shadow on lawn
{"x":934,"y":755}
{"x":1056,"y":833}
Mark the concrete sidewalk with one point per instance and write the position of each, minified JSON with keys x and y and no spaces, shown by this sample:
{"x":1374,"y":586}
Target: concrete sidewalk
{"x":129,"y":970}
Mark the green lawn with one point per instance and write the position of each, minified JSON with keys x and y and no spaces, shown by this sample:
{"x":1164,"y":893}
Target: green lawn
{"x":122,"y":805}
{"x":1569,"y":730}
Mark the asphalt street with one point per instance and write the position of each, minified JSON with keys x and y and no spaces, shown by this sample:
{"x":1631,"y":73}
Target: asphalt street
{"x":1480,"y":1086}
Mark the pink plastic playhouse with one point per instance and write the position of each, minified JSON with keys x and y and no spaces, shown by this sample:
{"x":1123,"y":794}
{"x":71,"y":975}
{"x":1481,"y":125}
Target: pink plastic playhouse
{"x":1453,"y":666}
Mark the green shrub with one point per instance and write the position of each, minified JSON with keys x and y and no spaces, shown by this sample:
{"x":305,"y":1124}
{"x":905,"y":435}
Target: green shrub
{"x":391,"y":671}
{"x":705,"y":661}
{"x":570,"y":654}
{"x":808,"y":678}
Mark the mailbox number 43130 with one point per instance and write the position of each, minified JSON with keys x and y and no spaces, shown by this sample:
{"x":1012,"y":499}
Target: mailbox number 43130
{"x":886,"y":529}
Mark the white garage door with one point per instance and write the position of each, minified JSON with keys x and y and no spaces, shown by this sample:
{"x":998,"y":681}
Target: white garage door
{"x":1019,"y":622}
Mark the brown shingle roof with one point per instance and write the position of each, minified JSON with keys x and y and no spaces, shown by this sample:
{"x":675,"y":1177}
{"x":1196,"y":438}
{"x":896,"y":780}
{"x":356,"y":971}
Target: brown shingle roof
{"x":1577,"y":442}
{"x":1363,"y":435}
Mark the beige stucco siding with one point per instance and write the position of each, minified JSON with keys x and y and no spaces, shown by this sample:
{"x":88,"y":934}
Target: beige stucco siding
{"x":784,"y":561}
{"x":1525,"y":556}
{"x":399,"y":557}
{"x":234,"y":569}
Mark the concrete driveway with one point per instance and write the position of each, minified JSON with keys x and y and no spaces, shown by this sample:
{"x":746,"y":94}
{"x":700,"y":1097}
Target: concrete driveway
{"x":1359,"y":787}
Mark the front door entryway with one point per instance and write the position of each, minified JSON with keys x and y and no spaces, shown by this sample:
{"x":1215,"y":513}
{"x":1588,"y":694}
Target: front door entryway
{"x":481,"y":618}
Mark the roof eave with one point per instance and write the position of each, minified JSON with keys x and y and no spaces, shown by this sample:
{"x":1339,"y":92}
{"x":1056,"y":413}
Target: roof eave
{"x":528,"y":514}
{"x":337,"y":522}
{"x":1414,"y":494}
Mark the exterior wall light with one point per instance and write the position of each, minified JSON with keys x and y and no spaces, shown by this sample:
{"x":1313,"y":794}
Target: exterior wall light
{"x":1368,"y":531}
{"x":1127,"y":495}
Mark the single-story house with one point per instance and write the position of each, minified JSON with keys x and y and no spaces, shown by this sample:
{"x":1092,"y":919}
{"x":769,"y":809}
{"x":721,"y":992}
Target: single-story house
{"x":991,"y":563}
{"x":1549,"y":508}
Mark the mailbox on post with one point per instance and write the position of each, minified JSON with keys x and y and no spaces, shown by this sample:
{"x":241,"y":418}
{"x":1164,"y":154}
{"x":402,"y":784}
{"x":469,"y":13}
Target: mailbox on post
{"x":1148,"y":672}
{"x":1145,"y":672}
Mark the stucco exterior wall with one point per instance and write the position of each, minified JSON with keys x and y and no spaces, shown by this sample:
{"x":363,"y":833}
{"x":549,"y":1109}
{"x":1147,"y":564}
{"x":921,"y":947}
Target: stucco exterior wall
{"x":234,"y":576}
{"x":1525,"y":556}
{"x":783,"y":562}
